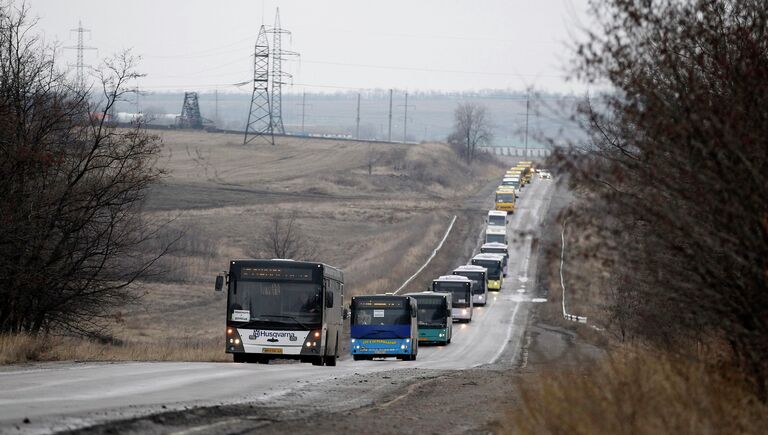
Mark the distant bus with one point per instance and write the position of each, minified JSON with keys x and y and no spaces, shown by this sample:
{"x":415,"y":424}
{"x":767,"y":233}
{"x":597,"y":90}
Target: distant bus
{"x":513,"y":182}
{"x":383,"y":326}
{"x":495,"y":265}
{"x":505,"y":199}
{"x":496,"y":235}
{"x":434,"y":317}
{"x":497,"y":248}
{"x":497,"y":218}
{"x":461,"y":289}
{"x":479,"y":277}
{"x":283,"y":309}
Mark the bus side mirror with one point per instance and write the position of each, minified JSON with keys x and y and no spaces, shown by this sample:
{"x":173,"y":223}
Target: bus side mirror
{"x":219,"y":282}
{"x":329,"y":299}
{"x":345,"y":314}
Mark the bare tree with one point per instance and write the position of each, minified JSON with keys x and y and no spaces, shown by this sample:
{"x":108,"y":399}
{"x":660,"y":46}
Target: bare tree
{"x":283,"y":237}
{"x":675,"y":173}
{"x":71,"y":232}
{"x":471,"y":128}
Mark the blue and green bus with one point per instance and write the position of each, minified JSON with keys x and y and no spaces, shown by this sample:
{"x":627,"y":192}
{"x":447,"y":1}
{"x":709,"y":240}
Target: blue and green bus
{"x":384,"y":326}
{"x":434,"y":317}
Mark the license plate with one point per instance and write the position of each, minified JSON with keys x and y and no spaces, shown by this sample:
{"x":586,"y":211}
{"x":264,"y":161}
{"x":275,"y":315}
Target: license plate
{"x":272,"y":350}
{"x":380,"y":351}
{"x":423,"y":339}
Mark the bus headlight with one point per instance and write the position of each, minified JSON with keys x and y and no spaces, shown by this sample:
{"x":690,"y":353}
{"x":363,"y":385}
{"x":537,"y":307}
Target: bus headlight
{"x":402,"y":346}
{"x":237,"y":341}
{"x":442,"y":335}
{"x":407,"y":340}
{"x":353,"y":340}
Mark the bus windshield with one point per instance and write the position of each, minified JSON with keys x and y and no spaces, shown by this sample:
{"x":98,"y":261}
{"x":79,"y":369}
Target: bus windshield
{"x":477,"y":279}
{"x":431,"y":311}
{"x":459,"y":290}
{"x":290,"y":303}
{"x":493,"y":266}
{"x":495,"y":238}
{"x":505,"y":197}
{"x":380,"y":312}
{"x":497,"y":220}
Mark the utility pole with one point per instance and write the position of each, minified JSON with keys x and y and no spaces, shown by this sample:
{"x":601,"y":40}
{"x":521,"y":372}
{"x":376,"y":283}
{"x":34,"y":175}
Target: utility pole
{"x":278,"y":75}
{"x":303,"y":106}
{"x":80,"y":47}
{"x":405,"y":119}
{"x":357,"y":119}
{"x":260,"y":114}
{"x":527,"y":106}
{"x":216,"y":105}
{"x":389,"y":135}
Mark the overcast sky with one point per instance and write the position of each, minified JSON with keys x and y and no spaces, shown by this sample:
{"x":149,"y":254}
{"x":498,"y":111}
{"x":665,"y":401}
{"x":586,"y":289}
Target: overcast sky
{"x":451,"y":45}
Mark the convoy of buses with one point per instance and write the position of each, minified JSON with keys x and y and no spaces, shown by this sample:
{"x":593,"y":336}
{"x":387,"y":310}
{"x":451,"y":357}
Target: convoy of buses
{"x":294,"y":309}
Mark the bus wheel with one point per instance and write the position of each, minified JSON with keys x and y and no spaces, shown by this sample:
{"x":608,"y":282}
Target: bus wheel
{"x":318,"y":361}
{"x":330,"y":361}
{"x":238,"y":357}
{"x":262,"y":360}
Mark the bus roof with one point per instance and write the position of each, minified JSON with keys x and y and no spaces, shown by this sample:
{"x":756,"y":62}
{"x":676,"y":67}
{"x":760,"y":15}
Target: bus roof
{"x":429,"y":294}
{"x":494,"y":245}
{"x":452,"y":278}
{"x":497,"y":213}
{"x":470,"y":268}
{"x":488,"y":256}
{"x":497,"y":229}
{"x":505,"y":189}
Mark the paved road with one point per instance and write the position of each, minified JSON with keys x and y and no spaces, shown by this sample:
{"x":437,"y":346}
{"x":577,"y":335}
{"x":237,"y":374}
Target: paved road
{"x":60,"y":396}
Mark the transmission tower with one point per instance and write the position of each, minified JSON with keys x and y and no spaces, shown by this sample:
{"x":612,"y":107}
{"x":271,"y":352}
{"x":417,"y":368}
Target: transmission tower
{"x":260,"y":114}
{"x":190,"y":112}
{"x":80,"y":47}
{"x":278,"y":75}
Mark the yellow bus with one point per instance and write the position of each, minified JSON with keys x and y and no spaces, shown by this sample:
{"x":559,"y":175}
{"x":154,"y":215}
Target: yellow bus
{"x":505,"y":199}
{"x":530,"y":170}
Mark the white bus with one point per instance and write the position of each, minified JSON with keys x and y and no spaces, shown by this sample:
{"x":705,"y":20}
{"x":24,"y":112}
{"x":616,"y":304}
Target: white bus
{"x":283,"y":309}
{"x":460,"y":288}
{"x":497,"y":218}
{"x":496,"y":234}
{"x":479,"y":277}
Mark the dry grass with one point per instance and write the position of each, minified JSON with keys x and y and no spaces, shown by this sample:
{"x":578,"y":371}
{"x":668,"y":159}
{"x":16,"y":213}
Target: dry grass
{"x":22,"y":348}
{"x":637,"y":392}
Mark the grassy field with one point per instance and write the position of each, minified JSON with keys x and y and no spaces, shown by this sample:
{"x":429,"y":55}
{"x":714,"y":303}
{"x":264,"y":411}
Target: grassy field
{"x":374,"y":210}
